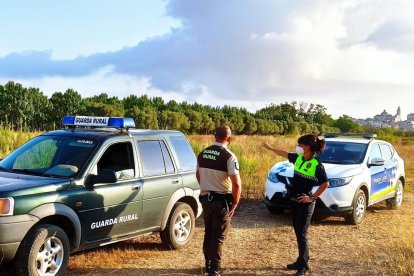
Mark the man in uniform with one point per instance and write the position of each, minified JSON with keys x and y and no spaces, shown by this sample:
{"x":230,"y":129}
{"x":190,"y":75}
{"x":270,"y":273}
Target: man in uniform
{"x":220,"y":184}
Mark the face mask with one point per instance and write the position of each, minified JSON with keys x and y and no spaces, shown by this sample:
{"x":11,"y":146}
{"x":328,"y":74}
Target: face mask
{"x":299,"y":150}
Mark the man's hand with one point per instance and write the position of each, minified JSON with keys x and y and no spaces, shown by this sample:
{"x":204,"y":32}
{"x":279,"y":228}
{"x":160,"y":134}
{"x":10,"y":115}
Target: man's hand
{"x":233,"y":208}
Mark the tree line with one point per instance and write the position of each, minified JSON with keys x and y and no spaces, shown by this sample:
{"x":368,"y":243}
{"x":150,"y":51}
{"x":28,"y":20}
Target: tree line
{"x":28,"y":109}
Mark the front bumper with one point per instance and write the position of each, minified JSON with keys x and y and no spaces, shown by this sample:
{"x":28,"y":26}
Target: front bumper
{"x":12,"y":231}
{"x":280,"y":201}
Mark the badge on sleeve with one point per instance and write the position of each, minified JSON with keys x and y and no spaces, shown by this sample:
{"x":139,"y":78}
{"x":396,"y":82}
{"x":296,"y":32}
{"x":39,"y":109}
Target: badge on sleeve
{"x":236,"y":165}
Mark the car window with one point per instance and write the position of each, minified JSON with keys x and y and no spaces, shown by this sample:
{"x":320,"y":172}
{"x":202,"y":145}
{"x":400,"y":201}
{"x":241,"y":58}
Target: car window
{"x":375,"y":152}
{"x":151,"y":157}
{"x":386,"y":151}
{"x":184,"y":153}
{"x":169,"y":167}
{"x":118,"y":158}
{"x":51,"y":155}
{"x":343,"y":153}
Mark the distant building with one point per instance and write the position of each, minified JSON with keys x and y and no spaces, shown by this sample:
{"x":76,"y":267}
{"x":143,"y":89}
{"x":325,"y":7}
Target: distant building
{"x":387,"y":120}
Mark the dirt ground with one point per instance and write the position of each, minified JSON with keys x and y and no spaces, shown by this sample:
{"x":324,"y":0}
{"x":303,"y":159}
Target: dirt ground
{"x":259,"y":243}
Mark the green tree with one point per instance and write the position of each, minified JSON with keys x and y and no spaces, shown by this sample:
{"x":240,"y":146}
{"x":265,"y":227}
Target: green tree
{"x":196,"y":120}
{"x":173,"y":120}
{"x":346,"y":124}
{"x":207,"y":125}
{"x":68,"y":103}
{"x":250,"y":126}
{"x":144,"y":119}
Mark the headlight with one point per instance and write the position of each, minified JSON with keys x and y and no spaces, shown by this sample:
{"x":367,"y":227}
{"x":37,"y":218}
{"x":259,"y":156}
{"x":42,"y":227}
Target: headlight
{"x":337,"y":182}
{"x":6,"y":206}
{"x":272,"y":177}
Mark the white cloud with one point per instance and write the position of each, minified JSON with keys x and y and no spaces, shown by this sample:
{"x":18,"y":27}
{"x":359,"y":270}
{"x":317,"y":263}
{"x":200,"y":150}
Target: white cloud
{"x":354,"y":57}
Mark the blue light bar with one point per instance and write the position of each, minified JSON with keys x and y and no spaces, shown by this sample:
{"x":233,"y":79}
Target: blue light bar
{"x":116,"y":122}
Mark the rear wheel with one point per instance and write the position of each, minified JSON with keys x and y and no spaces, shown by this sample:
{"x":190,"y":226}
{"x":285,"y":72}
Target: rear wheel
{"x":180,"y":226}
{"x":395,"y":202}
{"x":44,"y":251}
{"x":359,"y":205}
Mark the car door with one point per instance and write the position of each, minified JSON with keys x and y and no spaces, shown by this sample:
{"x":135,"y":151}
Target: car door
{"x":113,"y":209}
{"x":159,"y":181}
{"x":390,"y":167}
{"x":379,"y":176}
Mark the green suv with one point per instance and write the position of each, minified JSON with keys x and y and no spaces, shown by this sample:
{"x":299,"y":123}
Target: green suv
{"x":79,"y":188}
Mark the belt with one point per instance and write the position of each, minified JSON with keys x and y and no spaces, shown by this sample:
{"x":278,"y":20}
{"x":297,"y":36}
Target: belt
{"x":214,"y":195}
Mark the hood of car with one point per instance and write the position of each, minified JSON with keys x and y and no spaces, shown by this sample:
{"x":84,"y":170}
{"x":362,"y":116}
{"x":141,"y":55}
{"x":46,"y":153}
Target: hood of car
{"x":22,"y":183}
{"x":285,"y":168}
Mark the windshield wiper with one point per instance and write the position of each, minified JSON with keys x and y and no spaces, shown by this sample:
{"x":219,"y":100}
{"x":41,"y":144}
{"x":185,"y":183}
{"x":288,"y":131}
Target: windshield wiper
{"x":26,"y":171}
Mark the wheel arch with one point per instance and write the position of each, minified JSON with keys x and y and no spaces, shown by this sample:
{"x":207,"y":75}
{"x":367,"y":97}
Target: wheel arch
{"x":62,"y":216}
{"x":184,"y":195}
{"x":364,"y":188}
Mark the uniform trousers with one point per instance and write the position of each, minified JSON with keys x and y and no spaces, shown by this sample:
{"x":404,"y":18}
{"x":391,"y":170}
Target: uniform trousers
{"x":301,"y":219}
{"x":216,"y":223}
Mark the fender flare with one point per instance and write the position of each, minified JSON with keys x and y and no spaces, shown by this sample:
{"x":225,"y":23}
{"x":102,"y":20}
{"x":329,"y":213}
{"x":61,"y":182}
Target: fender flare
{"x":52,"y":209}
{"x":180,"y":193}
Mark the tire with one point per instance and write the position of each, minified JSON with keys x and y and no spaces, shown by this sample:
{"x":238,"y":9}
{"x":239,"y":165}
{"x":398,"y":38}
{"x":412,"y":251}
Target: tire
{"x":180,"y":227}
{"x":395,"y":202}
{"x":44,"y":251}
{"x":275,"y":210}
{"x":359,"y":209}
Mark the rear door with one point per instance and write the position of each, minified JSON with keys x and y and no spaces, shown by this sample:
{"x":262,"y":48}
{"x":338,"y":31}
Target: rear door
{"x":159,"y":178}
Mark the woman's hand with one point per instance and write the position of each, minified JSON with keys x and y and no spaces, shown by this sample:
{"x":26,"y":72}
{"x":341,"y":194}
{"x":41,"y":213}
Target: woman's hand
{"x":267,"y":146}
{"x":305,"y":199}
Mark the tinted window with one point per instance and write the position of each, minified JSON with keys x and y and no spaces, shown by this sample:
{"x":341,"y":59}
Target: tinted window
{"x":184,"y":153}
{"x":343,"y":153}
{"x":386,"y":151}
{"x":375,"y":152}
{"x":169,"y":167}
{"x":151,"y":158}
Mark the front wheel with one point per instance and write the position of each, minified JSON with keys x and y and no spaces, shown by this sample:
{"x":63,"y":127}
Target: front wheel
{"x":359,"y":205}
{"x":180,"y":226}
{"x":44,"y":251}
{"x":395,"y":202}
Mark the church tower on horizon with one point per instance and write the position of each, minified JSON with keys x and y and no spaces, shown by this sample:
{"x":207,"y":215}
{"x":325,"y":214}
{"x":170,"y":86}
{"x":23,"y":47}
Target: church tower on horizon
{"x":398,"y":116}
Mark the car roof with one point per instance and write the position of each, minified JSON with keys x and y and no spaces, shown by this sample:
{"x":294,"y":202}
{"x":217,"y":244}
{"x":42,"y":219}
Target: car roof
{"x":351,"y":140}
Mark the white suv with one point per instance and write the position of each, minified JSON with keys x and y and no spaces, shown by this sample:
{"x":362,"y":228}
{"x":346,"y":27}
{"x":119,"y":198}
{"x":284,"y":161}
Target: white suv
{"x":361,"y":172}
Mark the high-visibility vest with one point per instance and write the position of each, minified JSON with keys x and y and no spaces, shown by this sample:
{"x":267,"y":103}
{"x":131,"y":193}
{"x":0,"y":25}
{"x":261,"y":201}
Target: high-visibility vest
{"x":306,"y":168}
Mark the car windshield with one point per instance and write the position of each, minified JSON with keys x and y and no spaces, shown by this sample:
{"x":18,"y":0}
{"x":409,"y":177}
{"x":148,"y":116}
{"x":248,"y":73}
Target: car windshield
{"x":50,"y":156}
{"x":344,"y":153}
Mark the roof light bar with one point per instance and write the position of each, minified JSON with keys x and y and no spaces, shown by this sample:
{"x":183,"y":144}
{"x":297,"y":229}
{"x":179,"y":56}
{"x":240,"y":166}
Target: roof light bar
{"x":92,"y":121}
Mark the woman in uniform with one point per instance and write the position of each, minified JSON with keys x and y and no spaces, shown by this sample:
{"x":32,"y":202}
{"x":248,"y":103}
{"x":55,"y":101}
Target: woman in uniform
{"x":308,"y":172}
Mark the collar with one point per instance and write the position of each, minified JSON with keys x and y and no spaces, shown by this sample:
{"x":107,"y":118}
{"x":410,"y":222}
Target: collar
{"x":220,"y":145}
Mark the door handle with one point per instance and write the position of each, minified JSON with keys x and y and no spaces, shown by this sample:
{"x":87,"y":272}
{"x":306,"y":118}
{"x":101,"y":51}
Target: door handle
{"x":175,"y":181}
{"x":136,"y":187}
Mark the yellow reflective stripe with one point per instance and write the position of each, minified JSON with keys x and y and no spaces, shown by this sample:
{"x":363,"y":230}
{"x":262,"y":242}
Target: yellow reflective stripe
{"x":384,"y":192}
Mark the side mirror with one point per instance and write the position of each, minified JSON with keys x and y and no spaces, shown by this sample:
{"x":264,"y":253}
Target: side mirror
{"x":377,"y":161}
{"x":104,"y":176}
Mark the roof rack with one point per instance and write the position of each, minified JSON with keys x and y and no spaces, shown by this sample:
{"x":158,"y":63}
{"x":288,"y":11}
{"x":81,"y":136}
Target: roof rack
{"x":338,"y":134}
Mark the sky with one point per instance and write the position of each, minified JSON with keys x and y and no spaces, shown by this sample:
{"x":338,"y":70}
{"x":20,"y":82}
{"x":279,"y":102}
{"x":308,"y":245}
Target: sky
{"x":355,"y":57}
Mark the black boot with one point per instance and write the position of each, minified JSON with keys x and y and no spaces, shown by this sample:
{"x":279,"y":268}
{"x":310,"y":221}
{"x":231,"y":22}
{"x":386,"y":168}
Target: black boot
{"x":301,"y":272}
